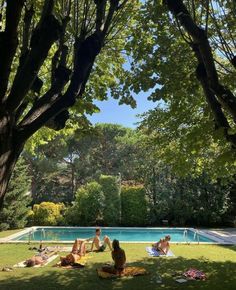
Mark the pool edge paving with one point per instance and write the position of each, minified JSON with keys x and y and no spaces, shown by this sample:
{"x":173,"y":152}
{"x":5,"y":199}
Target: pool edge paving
{"x":206,"y":233}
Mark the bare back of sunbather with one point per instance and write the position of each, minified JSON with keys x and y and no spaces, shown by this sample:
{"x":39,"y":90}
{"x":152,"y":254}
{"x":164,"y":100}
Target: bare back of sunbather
{"x":163,"y":245}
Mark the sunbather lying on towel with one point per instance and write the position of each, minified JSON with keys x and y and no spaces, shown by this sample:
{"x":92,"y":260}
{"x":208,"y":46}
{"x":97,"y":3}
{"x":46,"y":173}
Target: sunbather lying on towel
{"x":39,"y":259}
{"x":78,"y":251}
{"x":163,"y":245}
{"x":119,"y":258}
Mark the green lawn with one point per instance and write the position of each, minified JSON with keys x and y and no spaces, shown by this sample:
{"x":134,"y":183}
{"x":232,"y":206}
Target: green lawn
{"x":8,"y":233}
{"x":218,"y":262}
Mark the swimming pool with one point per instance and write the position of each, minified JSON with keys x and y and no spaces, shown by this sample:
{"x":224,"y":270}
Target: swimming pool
{"x":67,"y":234}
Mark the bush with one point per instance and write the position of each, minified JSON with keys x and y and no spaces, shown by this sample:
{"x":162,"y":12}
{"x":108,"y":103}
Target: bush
{"x":110,"y":188}
{"x":46,"y":214}
{"x":88,"y":205}
{"x":134,"y":206}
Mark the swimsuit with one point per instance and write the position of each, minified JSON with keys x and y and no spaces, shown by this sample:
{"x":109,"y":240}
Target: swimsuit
{"x":102,"y":248}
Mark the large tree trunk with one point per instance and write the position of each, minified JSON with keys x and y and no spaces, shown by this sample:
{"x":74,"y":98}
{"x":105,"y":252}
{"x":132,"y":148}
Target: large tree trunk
{"x":10,"y":149}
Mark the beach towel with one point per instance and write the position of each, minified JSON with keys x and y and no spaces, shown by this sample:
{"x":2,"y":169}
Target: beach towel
{"x":58,"y":249}
{"x":80,"y":263}
{"x":154,"y":253}
{"x":128,"y":272}
{"x":49,"y":260}
{"x":195,"y":274}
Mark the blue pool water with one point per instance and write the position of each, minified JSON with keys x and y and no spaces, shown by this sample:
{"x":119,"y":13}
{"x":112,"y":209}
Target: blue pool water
{"x":122,"y":234}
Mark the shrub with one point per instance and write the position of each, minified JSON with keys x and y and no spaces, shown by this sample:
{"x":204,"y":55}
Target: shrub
{"x":88,"y":205}
{"x":134,"y":207}
{"x":47,"y":214}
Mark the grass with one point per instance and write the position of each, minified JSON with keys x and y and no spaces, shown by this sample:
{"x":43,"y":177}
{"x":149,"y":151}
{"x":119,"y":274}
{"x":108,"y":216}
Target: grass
{"x":218,"y":262}
{"x":8,"y":233}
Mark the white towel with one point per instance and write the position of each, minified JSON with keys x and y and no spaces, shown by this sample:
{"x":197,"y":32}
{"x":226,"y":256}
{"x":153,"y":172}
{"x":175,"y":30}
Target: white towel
{"x":154,"y":253}
{"x":49,"y":260}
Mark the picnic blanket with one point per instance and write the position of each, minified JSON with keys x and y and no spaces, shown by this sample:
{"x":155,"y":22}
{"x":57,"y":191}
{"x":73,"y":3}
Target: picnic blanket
{"x":49,"y":260}
{"x":128,"y":272}
{"x":80,"y":263}
{"x":195,"y":274}
{"x":154,"y":253}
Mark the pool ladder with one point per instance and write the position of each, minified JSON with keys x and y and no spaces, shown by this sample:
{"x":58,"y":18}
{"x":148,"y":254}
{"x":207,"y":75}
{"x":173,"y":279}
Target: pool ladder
{"x":196,"y":235}
{"x":42,"y":234}
{"x":185,"y":235}
{"x":31,"y":234}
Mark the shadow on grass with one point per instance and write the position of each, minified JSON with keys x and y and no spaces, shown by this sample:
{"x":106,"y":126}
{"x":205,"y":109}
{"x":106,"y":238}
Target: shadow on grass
{"x":229,"y":247}
{"x":220,"y":275}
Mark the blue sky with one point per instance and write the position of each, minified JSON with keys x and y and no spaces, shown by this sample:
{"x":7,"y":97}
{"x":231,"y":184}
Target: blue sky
{"x":111,"y":112}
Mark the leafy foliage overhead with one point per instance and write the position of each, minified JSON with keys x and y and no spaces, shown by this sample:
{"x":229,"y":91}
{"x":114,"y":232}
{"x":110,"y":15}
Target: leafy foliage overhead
{"x":49,"y":51}
{"x":186,"y":55}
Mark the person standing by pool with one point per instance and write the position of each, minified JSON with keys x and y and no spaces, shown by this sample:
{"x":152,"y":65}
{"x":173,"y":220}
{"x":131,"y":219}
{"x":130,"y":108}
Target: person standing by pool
{"x":119,"y":258}
{"x":100,"y":246}
{"x":163,"y":245}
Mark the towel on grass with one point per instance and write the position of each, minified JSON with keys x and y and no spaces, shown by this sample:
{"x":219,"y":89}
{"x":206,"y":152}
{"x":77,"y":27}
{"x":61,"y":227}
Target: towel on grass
{"x":80,"y":263}
{"x":154,"y":253}
{"x":58,"y":249}
{"x":195,"y":274}
{"x":128,"y":272}
{"x":49,"y":260}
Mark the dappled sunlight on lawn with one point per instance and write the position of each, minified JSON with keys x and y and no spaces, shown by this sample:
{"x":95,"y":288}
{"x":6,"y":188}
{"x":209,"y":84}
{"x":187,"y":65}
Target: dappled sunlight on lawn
{"x":221,"y":274}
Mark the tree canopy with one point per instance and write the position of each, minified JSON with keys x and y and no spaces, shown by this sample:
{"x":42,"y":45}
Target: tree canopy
{"x":185,"y":54}
{"x":49,"y":49}
{"x":58,"y":56}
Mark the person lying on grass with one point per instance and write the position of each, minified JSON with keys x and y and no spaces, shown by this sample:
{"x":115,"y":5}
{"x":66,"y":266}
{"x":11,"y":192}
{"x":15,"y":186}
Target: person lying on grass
{"x":163,"y":245}
{"x":78,"y":251}
{"x":100,"y":246}
{"x":119,"y":258}
{"x":39,"y":259}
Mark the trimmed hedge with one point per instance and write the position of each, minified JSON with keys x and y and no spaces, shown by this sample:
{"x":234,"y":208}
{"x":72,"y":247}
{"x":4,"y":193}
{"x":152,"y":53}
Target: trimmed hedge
{"x":110,"y":188}
{"x":134,"y":206}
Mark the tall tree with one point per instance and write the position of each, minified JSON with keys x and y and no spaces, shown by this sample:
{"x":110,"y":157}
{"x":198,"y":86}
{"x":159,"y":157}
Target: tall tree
{"x":214,"y":17}
{"x":61,"y":165}
{"x":190,"y":78}
{"x":15,"y":210}
{"x":47,"y":53}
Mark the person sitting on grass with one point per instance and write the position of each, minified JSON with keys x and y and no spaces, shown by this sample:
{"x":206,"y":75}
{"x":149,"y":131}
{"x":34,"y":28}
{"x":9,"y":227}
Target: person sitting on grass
{"x":100,"y":246}
{"x":163,"y":245}
{"x":119,"y":258}
{"x":78,"y":251}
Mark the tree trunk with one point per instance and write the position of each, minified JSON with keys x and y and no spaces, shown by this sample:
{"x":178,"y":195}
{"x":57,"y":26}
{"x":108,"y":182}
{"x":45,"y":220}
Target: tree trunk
{"x":72,"y":180}
{"x":10,"y":149}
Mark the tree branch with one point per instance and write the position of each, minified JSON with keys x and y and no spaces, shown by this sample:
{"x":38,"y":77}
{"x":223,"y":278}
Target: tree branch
{"x":54,"y":105}
{"x":114,"y":5}
{"x":26,"y":30}
{"x":100,"y":14}
{"x":42,"y":39}
{"x":9,"y":42}
{"x":224,"y":95}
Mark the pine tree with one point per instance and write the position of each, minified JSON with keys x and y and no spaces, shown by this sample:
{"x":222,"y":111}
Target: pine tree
{"x":14,"y":212}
